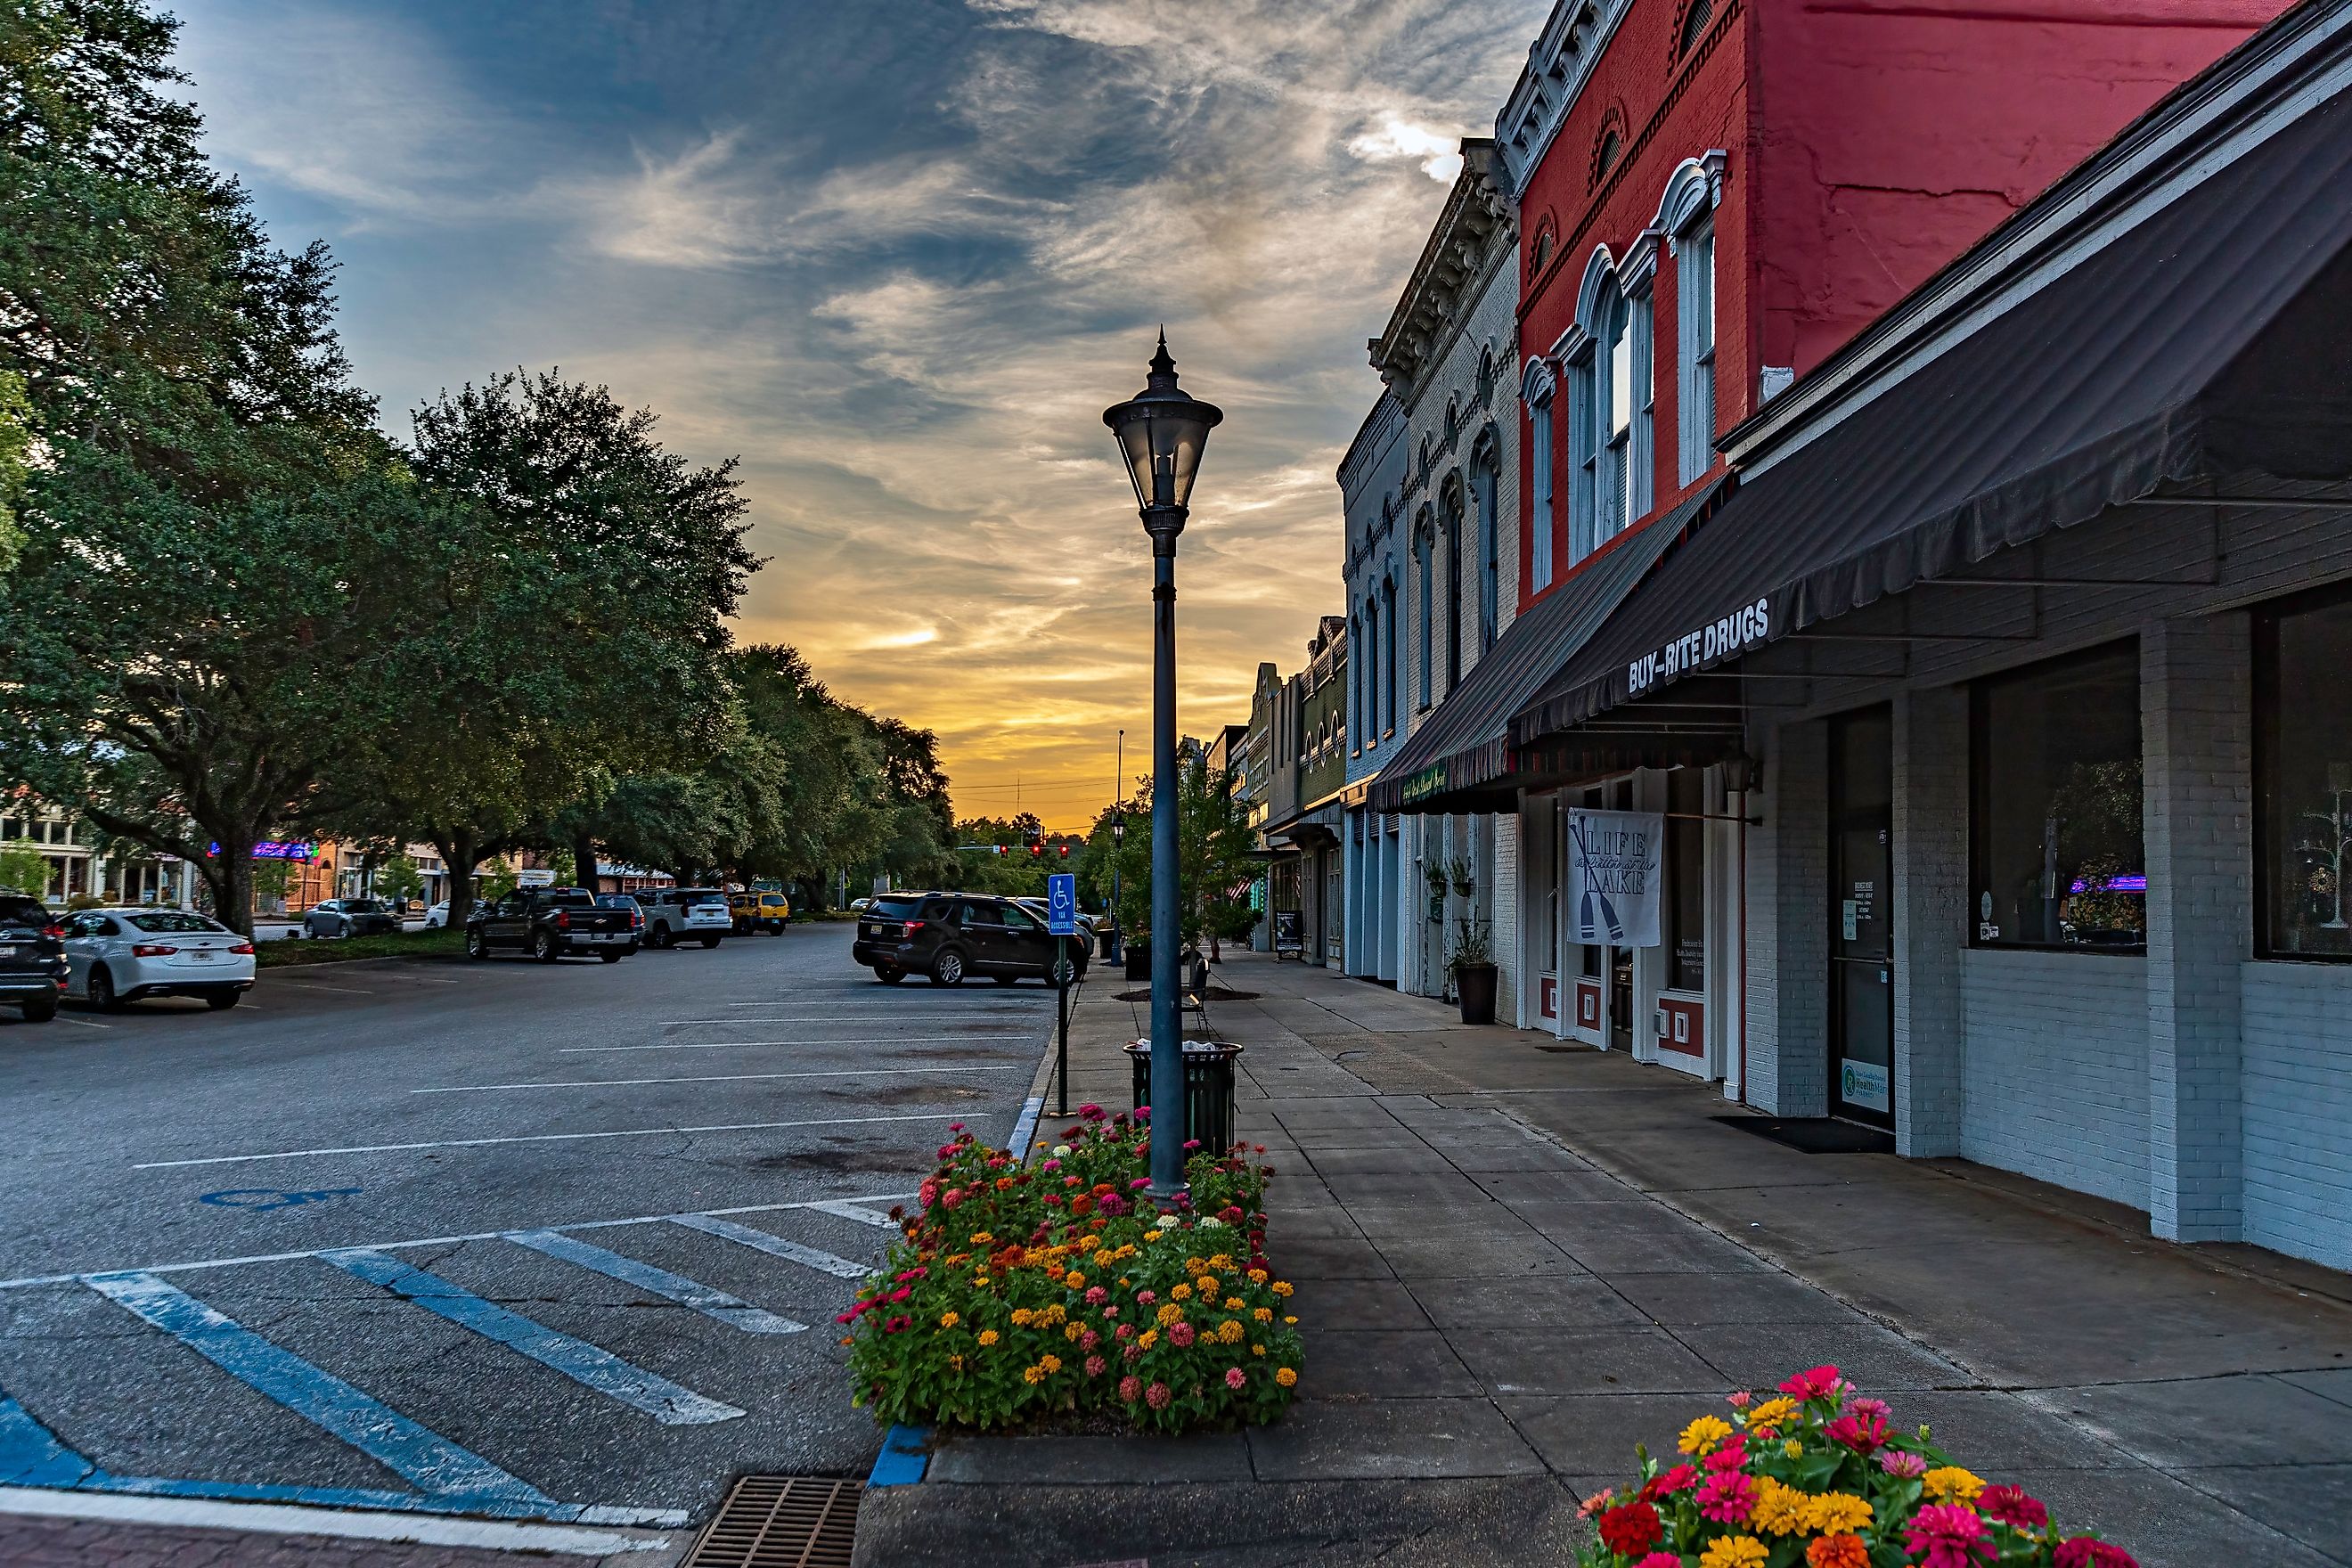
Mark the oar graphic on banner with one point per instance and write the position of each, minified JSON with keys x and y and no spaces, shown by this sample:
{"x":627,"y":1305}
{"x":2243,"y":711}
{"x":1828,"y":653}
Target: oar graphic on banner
{"x":1586,"y":926}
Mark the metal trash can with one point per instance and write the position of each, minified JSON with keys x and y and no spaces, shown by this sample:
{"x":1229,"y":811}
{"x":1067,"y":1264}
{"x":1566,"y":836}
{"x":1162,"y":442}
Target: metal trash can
{"x":1208,"y":1088}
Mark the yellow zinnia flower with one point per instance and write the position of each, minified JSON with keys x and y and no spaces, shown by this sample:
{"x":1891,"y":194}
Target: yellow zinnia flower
{"x":1285,"y":1376}
{"x":1052,"y":1364}
{"x":988,"y":1336}
{"x":1148,"y":1338}
{"x":1230,"y":1333}
{"x":1232,"y":1304}
{"x":1073,"y":1280}
{"x":1733,"y":1551}
{"x":1169,"y":1313}
{"x":1792,"y":1448}
{"x":1837,"y":1513}
{"x":1780,"y":1509}
{"x":1258,"y":1275}
{"x":1180,"y":1292}
{"x":1948,"y":1483}
{"x":1072,"y":1332}
{"x":1281,"y":1288}
{"x":1021,"y":1316}
{"x":1033,"y":1374}
{"x":1264,"y":1315}
{"x":1702,"y":1435}
{"x":949,"y":1320}
{"x":1772,"y":1412}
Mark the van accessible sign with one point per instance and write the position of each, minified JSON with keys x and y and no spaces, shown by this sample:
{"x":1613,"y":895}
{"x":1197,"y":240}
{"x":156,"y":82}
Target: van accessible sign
{"x":1613,"y":875}
{"x":1730,"y":633}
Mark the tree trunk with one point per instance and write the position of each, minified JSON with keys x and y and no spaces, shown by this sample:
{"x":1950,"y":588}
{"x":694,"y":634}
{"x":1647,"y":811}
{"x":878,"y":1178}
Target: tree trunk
{"x":229,"y":874}
{"x":584,"y":861}
{"x":460,"y":854}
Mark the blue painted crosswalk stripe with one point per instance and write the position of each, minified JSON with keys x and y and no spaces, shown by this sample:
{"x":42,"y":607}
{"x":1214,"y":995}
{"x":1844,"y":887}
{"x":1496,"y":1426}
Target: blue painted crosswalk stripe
{"x":670,"y":1404}
{"x":415,"y":1454}
{"x":30,"y":1453}
{"x":704,"y":1298}
{"x":774,"y":1246}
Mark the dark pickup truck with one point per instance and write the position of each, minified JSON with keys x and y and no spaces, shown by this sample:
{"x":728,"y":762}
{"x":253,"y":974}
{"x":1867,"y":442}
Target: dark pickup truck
{"x":32,"y":957}
{"x":549,"y":924}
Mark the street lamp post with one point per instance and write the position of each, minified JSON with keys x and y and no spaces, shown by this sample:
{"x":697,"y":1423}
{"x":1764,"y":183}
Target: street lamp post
{"x":1162,"y":433}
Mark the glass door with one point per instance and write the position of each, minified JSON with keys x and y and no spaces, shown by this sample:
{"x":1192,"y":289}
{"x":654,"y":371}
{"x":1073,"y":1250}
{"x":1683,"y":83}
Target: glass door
{"x":1862,"y":918}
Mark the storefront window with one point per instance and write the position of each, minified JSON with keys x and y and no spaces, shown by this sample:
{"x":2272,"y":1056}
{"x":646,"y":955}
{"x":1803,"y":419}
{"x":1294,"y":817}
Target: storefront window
{"x":1683,"y":926}
{"x":2304,"y":732}
{"x":2054,"y":832}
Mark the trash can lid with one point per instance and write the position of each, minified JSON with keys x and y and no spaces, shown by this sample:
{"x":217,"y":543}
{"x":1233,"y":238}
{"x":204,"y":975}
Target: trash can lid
{"x":1191,"y":1048}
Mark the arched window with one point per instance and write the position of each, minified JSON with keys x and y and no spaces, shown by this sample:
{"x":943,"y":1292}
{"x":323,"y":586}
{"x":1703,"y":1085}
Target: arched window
{"x":1686,"y":216}
{"x":1536,"y":389}
{"x":1604,"y":156}
{"x":1695,"y":17}
{"x":1486,"y":376}
{"x":1451,"y":522}
{"x":1542,"y":252}
{"x":1422,"y":545}
{"x":1390,"y":676}
{"x":1485,"y":482}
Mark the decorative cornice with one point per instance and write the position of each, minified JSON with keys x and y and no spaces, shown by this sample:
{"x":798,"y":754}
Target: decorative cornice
{"x":1474,"y":230}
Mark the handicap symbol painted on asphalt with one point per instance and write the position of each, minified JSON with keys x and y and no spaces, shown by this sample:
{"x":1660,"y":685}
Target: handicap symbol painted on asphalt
{"x":261,"y":1200}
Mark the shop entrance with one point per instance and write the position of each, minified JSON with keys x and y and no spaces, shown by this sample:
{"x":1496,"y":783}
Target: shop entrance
{"x":1861,"y":924}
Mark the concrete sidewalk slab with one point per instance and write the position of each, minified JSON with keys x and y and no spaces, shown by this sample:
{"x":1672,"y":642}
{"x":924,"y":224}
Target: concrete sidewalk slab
{"x":1515,"y":1263}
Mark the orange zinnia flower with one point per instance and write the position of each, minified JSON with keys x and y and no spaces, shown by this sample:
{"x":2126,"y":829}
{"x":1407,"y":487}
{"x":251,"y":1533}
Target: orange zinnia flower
{"x":1838,"y":1551}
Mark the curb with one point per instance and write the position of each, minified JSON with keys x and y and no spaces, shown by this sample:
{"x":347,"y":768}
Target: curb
{"x":905,"y":1455}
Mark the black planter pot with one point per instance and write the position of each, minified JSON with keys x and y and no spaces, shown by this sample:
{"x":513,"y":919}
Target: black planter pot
{"x":1474,"y":985}
{"x":1139,"y":961}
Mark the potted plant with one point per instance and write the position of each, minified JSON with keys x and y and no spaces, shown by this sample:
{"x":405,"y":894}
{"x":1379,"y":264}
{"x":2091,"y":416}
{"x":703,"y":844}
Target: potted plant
{"x":1471,"y":967}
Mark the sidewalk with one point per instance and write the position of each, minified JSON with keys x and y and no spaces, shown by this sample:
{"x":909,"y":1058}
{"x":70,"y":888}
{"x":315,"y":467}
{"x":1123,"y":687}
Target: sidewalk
{"x":1514,"y":1263}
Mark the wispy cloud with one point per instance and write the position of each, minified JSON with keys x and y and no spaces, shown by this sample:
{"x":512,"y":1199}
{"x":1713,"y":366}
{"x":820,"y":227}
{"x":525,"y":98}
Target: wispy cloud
{"x":901,"y":274}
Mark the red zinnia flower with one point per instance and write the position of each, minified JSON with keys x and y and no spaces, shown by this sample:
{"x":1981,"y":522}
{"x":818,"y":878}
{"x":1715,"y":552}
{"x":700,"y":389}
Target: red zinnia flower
{"x":1682,"y":1478}
{"x":1817,"y":1383}
{"x":1862,"y":1437}
{"x":2012,"y":1505}
{"x":1631,"y":1528}
{"x":2083,"y":1552}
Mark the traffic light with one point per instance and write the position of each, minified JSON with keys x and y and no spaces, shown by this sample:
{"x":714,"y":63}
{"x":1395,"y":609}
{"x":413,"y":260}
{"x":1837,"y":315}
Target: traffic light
{"x":999,"y":850}
{"x":1065,"y":849}
{"x":1036,"y":849}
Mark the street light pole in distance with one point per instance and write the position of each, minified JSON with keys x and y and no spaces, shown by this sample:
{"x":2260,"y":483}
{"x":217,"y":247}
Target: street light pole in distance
{"x":1162,"y":433}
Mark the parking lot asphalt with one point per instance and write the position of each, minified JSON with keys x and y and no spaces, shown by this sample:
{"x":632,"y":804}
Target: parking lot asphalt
{"x":542,"y":1241}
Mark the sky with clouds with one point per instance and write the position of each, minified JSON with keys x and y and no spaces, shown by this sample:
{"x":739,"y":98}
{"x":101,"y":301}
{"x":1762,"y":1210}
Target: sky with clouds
{"x":897,"y":256}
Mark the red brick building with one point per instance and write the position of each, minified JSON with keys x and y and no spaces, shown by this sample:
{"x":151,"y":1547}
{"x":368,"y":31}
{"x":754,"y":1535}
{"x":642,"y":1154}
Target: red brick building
{"x":1716,"y":195}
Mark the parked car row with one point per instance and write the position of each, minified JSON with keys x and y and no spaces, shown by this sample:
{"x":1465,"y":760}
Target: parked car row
{"x":947,"y":936}
{"x":108,"y":957}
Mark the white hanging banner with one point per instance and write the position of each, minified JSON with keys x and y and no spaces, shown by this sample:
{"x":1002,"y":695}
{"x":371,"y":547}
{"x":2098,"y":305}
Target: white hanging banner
{"x":1614,"y":875}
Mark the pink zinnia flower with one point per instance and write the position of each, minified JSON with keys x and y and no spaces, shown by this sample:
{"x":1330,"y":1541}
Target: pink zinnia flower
{"x":1862,"y":1437}
{"x":2012,"y":1505}
{"x":1130,"y":1388}
{"x":1235,"y":1377}
{"x":1660,"y":1560}
{"x":896,"y":1325}
{"x":1134,"y":1352}
{"x":1089,"y":1340}
{"x":1728,"y":1497}
{"x":1091,"y":1112}
{"x":1110,"y":1312}
{"x":1157,"y":1396}
{"x":1179,"y":1334}
{"x":1817,"y":1383}
{"x":1096,"y":1294}
{"x":1895,"y":1462}
{"x":1731,"y":1456}
{"x":1869,"y":1408}
{"x":1145,"y":1297}
{"x":1127,"y":1332}
{"x":1595,"y":1504}
{"x":1138,"y":1184}
{"x":1945,"y":1535}
{"x":1739,"y":1399}
{"x":1096,"y":1367}
{"x":952,"y":1196}
{"x":2083,"y":1552}
{"x":1051,"y":1165}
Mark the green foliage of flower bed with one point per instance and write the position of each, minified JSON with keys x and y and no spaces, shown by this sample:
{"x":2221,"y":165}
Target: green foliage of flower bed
{"x":288,"y":953}
{"x":1025,"y":1294}
{"x":1814,"y":1478}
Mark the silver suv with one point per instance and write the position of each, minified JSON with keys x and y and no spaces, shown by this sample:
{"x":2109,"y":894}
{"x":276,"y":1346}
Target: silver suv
{"x":674,"y":914}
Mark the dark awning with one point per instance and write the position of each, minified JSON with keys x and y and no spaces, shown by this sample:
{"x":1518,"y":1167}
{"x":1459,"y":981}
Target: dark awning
{"x":2178,"y":309}
{"x":1466,"y":743}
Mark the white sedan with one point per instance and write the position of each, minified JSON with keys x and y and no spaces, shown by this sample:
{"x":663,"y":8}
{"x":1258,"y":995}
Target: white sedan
{"x":118,"y":955}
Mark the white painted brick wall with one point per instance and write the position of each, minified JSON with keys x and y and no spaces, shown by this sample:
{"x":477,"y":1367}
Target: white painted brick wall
{"x":1931,"y":895}
{"x":2297,"y":1108}
{"x":1788,"y":949}
{"x":2054,"y":1080}
{"x":2197,"y":738}
{"x":1508,"y":936}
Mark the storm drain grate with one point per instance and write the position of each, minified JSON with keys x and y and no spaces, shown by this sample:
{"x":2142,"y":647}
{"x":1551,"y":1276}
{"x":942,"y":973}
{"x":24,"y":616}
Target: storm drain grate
{"x":781,"y":1521}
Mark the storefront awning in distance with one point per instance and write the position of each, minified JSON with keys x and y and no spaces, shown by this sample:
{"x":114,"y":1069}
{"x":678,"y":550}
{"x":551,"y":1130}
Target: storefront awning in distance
{"x":2177,"y":311}
{"x":1466,"y":743}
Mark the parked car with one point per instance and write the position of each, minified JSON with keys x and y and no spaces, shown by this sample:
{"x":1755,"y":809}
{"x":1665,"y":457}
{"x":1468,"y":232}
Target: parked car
{"x":1037,"y":906}
{"x":673,"y":915}
{"x":759,"y":911}
{"x":32,"y":957}
{"x":350,"y":917}
{"x":550,"y":923}
{"x":947,"y":936}
{"x":437,"y":916}
{"x":118,"y":955}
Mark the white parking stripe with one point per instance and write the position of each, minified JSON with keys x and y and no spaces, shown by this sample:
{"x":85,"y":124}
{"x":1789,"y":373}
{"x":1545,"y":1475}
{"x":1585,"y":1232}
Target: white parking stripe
{"x":774,"y":1246}
{"x":83,"y":1023}
{"x":537,"y":1138}
{"x":318,"y":985}
{"x":845,"y":1209}
{"x":713,"y":1077}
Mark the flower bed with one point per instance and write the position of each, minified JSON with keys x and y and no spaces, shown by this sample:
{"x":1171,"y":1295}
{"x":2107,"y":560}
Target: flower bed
{"x":1813,"y":1476}
{"x":1024,"y":1294}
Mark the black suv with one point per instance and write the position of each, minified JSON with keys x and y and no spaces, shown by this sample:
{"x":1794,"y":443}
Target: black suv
{"x":32,"y":957}
{"x":950,"y":935}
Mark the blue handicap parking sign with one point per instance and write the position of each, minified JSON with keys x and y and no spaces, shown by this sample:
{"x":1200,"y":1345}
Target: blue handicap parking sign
{"x":1062,"y":904}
